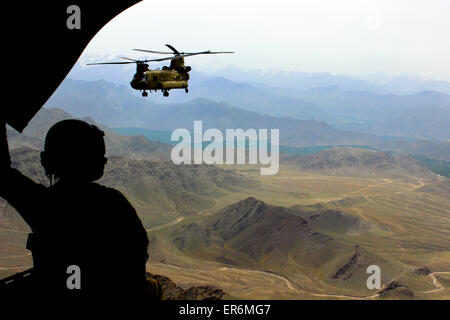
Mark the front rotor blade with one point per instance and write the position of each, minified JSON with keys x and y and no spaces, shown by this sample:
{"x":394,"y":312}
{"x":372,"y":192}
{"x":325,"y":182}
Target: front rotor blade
{"x":97,"y":63}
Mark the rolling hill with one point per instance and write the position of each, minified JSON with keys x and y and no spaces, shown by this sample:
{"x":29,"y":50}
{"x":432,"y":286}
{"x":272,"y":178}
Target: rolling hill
{"x":252,"y":234}
{"x":355,"y":162}
{"x":160,"y":190}
{"x":134,"y":146}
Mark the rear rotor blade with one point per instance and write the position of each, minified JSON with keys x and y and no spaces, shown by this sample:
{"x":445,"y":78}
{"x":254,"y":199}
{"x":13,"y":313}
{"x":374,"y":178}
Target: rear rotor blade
{"x":178,"y":56}
{"x":216,"y":52}
{"x":172,"y":48}
{"x":183,"y":53}
{"x":152,"y":51}
{"x":207,"y":52}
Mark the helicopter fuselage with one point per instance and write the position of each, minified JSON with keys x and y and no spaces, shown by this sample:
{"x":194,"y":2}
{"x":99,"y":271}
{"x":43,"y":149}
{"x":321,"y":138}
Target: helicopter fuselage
{"x":174,"y":77}
{"x":160,"y":80}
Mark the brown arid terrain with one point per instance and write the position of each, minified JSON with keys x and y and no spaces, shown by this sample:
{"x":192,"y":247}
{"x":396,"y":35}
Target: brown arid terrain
{"x":296,"y":235}
{"x":170,"y":290}
{"x":308,"y":232}
{"x":352,"y":162}
{"x":391,"y":223}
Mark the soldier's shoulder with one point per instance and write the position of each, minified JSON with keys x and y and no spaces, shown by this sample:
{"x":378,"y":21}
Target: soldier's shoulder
{"x":101,"y":188}
{"x":109,"y":192}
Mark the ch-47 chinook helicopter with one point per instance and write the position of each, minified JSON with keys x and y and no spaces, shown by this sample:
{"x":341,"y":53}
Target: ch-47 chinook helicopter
{"x":175,"y":76}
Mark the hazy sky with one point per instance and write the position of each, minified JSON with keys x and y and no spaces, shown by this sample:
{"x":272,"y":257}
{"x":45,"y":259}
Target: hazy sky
{"x":351,"y":37}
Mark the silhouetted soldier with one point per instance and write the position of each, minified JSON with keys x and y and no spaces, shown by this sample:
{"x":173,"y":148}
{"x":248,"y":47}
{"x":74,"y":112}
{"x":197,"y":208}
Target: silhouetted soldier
{"x":76,"y":222}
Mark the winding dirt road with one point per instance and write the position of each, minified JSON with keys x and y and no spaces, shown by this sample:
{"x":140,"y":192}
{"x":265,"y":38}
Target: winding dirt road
{"x":171,"y":223}
{"x":436,"y":282}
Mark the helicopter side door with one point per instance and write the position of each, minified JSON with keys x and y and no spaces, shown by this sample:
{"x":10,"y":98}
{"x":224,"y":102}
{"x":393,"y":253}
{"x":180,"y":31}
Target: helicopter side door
{"x":154,"y":79}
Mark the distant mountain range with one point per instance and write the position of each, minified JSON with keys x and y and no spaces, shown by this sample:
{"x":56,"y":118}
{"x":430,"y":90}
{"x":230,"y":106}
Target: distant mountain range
{"x":105,"y":103}
{"x":253,"y":98}
{"x":344,"y":102}
{"x":378,"y":83}
{"x":423,"y":114}
{"x":119,"y":107}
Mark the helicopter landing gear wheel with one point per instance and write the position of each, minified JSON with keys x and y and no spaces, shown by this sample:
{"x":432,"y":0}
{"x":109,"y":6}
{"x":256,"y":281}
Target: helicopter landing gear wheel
{"x":166,"y":93}
{"x":144,"y":94}
{"x":186,"y":90}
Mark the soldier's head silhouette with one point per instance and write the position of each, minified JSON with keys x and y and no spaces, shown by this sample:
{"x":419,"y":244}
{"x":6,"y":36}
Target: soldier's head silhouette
{"x":74,"y":151}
